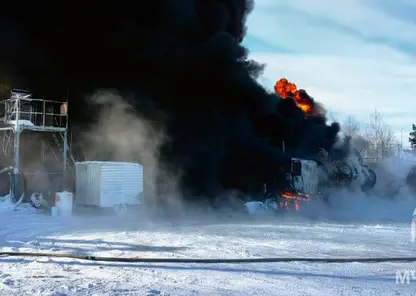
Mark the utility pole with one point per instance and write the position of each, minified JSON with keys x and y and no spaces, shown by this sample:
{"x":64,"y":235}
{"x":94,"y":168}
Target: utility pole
{"x":401,"y":141}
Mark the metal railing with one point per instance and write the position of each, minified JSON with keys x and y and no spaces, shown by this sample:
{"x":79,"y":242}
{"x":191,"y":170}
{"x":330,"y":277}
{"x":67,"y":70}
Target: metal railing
{"x":34,"y":112}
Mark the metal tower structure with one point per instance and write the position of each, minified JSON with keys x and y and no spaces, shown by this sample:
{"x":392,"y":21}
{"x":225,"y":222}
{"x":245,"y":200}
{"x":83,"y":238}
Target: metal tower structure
{"x":22,"y":112}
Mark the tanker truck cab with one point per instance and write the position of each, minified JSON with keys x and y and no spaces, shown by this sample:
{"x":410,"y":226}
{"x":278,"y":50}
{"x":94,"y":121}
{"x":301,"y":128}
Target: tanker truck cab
{"x":302,"y":184}
{"x":304,"y":176}
{"x":308,"y":180}
{"x":303,"y":180}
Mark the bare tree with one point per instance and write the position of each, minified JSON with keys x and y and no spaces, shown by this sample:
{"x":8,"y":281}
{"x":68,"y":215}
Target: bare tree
{"x":350,"y":127}
{"x":380,"y":136}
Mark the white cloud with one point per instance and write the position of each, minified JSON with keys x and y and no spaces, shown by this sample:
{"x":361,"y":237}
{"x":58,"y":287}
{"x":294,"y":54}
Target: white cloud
{"x":339,"y":56}
{"x":362,"y":16}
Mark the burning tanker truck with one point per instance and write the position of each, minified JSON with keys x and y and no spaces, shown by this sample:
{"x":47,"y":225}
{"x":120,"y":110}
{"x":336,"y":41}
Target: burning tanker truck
{"x":311,"y":178}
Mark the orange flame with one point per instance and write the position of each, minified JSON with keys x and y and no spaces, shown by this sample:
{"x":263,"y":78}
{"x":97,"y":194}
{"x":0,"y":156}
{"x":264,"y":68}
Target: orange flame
{"x":290,"y":195}
{"x":286,"y":89}
{"x":296,"y":197}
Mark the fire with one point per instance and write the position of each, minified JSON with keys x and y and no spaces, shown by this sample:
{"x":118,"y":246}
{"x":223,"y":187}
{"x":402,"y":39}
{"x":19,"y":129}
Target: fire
{"x":296,"y":197}
{"x":286,"y":89}
{"x":293,"y":195}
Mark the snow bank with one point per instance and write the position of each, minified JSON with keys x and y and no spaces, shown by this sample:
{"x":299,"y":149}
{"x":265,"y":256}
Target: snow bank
{"x":21,"y":122}
{"x":6,"y":205}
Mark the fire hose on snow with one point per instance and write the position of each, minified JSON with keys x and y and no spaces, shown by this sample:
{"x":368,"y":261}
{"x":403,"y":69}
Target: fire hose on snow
{"x":16,"y":202}
{"x":207,"y":261}
{"x":4,"y":254}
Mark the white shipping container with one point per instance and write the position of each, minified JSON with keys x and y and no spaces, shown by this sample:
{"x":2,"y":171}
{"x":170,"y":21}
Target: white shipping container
{"x":107,"y":183}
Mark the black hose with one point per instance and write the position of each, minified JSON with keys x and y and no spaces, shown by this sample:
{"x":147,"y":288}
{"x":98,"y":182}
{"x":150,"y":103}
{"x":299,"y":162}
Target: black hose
{"x":209,"y":261}
{"x":9,"y":170}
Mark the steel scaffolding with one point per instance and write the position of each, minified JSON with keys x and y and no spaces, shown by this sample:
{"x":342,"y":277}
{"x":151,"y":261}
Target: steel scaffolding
{"x":23,"y":112}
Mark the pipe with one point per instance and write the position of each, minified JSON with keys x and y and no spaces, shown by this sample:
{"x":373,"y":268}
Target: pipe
{"x":10,"y":170}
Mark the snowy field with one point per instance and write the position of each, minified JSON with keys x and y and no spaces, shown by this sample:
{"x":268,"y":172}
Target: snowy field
{"x":237,"y":237}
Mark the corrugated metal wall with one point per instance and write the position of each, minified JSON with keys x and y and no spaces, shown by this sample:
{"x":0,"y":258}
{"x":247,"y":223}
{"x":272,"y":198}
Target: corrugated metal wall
{"x":107,"y":183}
{"x":112,"y":181}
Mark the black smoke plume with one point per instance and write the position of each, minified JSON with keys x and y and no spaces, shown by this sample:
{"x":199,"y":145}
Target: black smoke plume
{"x":185,"y":57}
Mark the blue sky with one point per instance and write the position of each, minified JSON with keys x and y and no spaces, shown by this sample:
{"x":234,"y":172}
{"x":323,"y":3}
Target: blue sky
{"x":353,"y":56}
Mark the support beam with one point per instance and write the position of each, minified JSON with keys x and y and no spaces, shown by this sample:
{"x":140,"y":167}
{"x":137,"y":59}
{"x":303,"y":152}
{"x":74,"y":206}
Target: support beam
{"x":15,"y":194}
{"x":65,"y":159}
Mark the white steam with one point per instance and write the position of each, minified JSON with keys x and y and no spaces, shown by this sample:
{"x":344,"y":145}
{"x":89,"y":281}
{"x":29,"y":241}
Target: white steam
{"x":122,"y":134}
{"x":390,"y":201}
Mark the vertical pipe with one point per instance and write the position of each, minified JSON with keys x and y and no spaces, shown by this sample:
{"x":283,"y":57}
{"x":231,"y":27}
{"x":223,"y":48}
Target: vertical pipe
{"x":16,"y":160}
{"x":66,"y":148}
{"x":43,"y":151}
{"x":17,"y":111}
{"x":66,"y":109}
{"x":65,"y":160}
{"x":401,"y":142}
{"x":70,"y":145}
{"x":16,"y":155}
{"x":43,"y":113}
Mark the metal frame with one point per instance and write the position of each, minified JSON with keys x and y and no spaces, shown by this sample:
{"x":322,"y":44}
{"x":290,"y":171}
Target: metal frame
{"x":17,"y":126}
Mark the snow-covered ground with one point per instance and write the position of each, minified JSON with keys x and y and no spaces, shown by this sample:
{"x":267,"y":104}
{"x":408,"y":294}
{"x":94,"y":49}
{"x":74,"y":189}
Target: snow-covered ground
{"x":237,"y":237}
